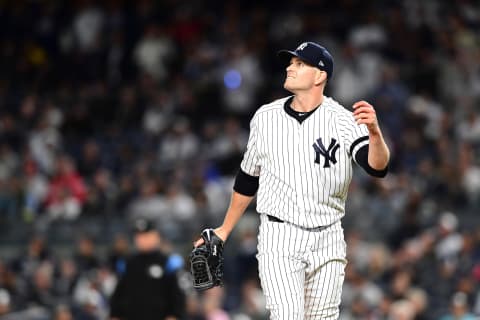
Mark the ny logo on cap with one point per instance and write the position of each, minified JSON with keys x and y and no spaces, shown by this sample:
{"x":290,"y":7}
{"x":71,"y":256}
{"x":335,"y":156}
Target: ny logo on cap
{"x":302,"y":46}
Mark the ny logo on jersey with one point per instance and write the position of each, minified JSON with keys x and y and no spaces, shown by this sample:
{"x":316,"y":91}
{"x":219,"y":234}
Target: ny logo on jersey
{"x":328,"y":154}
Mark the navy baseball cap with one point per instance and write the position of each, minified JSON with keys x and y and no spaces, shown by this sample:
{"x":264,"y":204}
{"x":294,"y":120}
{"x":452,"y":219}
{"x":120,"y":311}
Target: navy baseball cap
{"x":313,"y":54}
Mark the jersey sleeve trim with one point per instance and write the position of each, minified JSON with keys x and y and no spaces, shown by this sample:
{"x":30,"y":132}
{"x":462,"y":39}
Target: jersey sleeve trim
{"x":356,"y":143}
{"x":246,"y":184}
{"x":361,"y":157}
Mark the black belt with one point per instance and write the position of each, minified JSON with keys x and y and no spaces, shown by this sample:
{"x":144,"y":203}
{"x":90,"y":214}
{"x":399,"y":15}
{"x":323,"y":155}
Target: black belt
{"x":275,"y":219}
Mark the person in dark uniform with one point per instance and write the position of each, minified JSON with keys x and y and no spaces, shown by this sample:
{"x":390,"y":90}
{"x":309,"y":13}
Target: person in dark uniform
{"x":148,"y":289}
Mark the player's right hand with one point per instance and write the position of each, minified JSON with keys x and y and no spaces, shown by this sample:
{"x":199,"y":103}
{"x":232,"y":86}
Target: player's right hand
{"x":218,"y":231}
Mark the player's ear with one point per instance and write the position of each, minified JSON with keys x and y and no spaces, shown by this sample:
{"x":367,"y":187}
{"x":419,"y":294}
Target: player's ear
{"x":320,"y":77}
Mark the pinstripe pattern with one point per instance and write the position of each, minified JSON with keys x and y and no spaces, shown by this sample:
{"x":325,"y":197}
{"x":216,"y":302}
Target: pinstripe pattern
{"x":292,"y":186}
{"x":301,"y":271}
{"x":302,"y":183}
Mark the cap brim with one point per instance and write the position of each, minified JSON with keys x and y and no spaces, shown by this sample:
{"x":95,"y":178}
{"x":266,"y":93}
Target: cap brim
{"x":285,"y":55}
{"x":139,"y":232}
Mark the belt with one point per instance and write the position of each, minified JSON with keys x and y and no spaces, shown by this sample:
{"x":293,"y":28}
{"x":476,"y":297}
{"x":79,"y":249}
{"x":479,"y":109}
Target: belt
{"x":274,"y":219}
{"x":278,"y":220}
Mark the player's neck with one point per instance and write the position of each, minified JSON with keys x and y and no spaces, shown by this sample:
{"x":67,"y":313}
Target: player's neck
{"x":306,"y":103}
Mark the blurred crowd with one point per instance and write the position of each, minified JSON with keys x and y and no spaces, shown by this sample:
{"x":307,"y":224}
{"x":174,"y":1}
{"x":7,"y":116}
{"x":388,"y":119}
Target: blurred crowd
{"x":117,"y":109}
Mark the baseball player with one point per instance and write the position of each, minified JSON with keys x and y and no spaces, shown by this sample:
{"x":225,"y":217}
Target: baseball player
{"x":298,"y":162}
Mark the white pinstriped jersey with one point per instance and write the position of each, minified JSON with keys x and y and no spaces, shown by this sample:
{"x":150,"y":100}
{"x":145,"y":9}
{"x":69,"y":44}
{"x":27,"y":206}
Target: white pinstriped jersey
{"x":304,"y":168}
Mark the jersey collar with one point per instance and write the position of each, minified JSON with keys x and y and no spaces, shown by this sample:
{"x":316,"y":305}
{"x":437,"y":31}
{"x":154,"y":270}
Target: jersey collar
{"x":299,"y":116}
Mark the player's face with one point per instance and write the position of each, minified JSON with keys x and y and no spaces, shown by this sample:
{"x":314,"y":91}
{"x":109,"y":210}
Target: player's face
{"x":300,"y":76}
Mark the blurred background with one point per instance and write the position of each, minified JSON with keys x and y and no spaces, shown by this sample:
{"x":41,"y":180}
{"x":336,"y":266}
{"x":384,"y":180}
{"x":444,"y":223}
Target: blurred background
{"x":113,"y":110}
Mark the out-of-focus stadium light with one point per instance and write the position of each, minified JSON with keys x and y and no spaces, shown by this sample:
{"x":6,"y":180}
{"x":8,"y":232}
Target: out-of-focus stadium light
{"x":232,"y":79}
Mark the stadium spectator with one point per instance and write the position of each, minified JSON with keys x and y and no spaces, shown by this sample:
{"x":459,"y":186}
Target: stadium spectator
{"x":66,"y":191}
{"x":459,"y":308}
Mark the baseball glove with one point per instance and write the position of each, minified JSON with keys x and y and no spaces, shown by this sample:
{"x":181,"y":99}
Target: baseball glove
{"x":206,"y":262}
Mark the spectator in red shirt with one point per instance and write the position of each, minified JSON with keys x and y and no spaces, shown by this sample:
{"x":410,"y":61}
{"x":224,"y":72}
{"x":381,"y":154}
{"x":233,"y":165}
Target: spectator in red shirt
{"x":67,"y":191}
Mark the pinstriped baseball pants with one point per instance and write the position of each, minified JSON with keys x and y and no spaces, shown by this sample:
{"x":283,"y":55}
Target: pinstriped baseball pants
{"x":301,"y":271}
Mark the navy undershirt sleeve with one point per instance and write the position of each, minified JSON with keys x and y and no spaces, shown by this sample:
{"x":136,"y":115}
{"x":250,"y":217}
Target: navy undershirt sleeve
{"x":245,"y":184}
{"x":362,"y":159}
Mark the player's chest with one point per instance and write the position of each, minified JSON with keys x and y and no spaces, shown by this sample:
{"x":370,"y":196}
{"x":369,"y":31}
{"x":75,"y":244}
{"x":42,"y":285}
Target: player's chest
{"x":312,"y":143}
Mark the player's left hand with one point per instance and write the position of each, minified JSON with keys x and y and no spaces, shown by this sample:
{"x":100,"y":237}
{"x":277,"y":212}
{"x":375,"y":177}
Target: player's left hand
{"x":206,"y":261}
{"x":364,"y":113}
{"x":218,"y":231}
